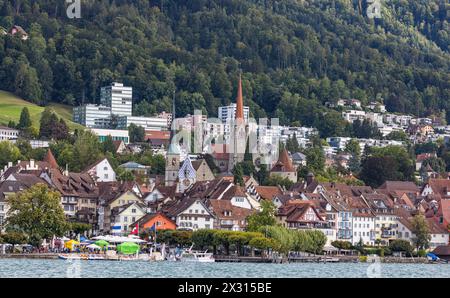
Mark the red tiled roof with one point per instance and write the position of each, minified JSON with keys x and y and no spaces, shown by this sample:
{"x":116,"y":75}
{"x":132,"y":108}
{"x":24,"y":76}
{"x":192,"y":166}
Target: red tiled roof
{"x":50,"y":159}
{"x":284,"y":163}
{"x":268,"y":192}
{"x":440,"y":187}
{"x":237,"y":213}
{"x":157,"y":135}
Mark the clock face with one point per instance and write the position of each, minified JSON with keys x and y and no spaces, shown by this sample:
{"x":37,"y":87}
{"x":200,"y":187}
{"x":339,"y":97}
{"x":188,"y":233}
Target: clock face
{"x":186,"y":182}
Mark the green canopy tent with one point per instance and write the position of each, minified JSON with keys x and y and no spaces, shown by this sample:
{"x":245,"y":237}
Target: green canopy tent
{"x":101,"y":243}
{"x":128,"y":248}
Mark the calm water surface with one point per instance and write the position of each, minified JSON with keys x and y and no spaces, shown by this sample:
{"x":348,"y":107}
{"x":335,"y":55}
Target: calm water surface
{"x":62,"y":268}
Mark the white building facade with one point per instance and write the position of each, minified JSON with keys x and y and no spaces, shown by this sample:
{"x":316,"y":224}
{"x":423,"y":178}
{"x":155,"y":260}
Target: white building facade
{"x":363,"y":229}
{"x":148,"y":123}
{"x":118,"y":97}
{"x":8,"y":134}
{"x":92,"y":115}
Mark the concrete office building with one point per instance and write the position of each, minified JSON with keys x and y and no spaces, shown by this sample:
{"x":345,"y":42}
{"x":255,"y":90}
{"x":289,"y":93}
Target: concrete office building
{"x":92,"y":115}
{"x":119,"y":98}
{"x":149,"y":123}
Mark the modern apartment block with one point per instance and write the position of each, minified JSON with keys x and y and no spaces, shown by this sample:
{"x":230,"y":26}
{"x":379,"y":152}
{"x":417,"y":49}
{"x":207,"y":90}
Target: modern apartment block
{"x":119,"y":98}
{"x":92,"y":115}
{"x":149,"y":123}
{"x":115,"y":99}
{"x":226,"y":113}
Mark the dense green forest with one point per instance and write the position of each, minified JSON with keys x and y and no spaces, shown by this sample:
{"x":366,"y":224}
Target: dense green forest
{"x":295,"y":55}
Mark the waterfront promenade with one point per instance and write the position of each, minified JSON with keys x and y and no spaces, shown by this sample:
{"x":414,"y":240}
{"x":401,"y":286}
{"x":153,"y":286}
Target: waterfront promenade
{"x":247,"y":259}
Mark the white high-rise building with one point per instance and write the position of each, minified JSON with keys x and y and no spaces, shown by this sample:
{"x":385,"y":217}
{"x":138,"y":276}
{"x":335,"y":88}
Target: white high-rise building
{"x":92,"y":115}
{"x":119,"y":98}
{"x":228,"y":113}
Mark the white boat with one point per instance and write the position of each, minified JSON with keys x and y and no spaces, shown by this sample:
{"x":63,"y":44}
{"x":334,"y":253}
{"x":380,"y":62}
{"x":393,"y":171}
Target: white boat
{"x":194,"y":256}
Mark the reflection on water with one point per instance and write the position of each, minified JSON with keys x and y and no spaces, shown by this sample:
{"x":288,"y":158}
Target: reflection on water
{"x":61,"y":268}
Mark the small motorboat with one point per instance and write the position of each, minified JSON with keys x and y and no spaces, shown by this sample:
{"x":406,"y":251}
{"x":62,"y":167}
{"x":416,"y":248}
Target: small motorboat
{"x":194,"y":256}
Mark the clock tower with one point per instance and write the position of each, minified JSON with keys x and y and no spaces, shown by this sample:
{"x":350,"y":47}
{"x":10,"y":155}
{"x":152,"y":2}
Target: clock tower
{"x":173,"y":153}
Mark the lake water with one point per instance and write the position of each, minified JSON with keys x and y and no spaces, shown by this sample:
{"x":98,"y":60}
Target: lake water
{"x":62,"y":268}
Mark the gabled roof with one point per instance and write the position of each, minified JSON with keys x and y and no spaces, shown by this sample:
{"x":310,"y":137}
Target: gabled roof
{"x":268,"y":192}
{"x":150,"y":216}
{"x":379,"y":202}
{"x":233,"y":192}
{"x":237,"y":213}
{"x":74,"y":184}
{"x":440,"y":187}
{"x":399,"y":185}
{"x":95,"y":164}
{"x":119,"y":209}
{"x":295,"y":209}
{"x":17,"y":183}
{"x":182,"y":204}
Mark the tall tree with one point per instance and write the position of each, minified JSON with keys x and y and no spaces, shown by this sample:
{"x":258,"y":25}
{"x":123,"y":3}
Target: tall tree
{"x":136,"y":133}
{"x":25,"y":119}
{"x":8,"y":153}
{"x":266,"y":217}
{"x":421,"y":232}
{"x":37,"y":212}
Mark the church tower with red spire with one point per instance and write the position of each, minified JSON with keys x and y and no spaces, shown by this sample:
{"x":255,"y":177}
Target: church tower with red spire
{"x":239,"y":131}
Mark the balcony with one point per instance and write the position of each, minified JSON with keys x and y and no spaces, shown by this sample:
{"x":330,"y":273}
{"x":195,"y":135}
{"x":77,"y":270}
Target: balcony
{"x":344,"y":234}
{"x":388,"y":233}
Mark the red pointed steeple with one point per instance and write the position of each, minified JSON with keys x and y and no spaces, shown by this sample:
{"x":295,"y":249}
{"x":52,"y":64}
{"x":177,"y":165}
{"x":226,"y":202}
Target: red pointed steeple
{"x":239,"y":101}
{"x":49,"y":158}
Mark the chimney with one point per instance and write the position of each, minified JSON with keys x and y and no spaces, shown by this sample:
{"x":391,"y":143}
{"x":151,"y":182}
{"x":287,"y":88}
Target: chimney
{"x":66,"y":171}
{"x":31,"y":164}
{"x":10,"y":164}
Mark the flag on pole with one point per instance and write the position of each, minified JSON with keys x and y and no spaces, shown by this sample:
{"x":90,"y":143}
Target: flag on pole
{"x":135,"y":230}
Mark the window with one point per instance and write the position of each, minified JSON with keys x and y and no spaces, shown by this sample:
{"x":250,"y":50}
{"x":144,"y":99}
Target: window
{"x":125,"y":219}
{"x":133,"y":210}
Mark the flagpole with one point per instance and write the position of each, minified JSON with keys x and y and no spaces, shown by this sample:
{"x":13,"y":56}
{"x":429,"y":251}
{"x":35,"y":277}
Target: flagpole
{"x":155,"y":236}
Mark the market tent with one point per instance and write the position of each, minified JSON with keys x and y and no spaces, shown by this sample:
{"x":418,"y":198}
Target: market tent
{"x":128,"y":248}
{"x":118,"y":239}
{"x":93,"y":246}
{"x":70,"y":244}
{"x":101,"y":243}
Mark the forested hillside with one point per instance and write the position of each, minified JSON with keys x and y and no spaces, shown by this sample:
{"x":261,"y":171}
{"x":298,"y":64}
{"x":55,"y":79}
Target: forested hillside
{"x":295,"y":54}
